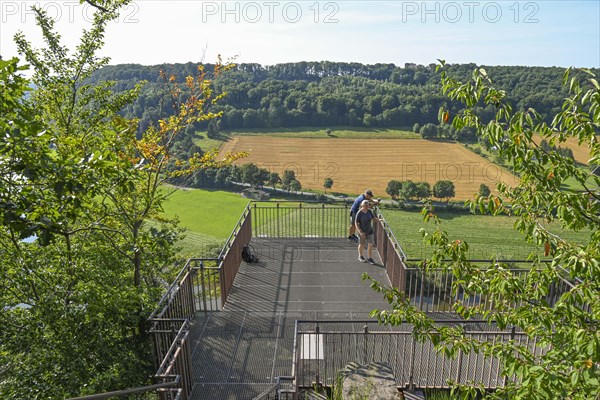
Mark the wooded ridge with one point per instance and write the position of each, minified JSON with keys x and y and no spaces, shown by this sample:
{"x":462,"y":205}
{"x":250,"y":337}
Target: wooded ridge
{"x":323,"y":94}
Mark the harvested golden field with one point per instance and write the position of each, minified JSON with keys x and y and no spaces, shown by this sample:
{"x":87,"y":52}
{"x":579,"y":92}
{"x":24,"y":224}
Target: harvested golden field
{"x":357,"y":164}
{"x":580,"y":153}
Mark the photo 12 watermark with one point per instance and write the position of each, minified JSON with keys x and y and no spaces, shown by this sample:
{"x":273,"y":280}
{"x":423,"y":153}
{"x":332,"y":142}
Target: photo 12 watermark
{"x":253,"y":12}
{"x":465,"y":172}
{"x":61,"y":11}
{"x":317,"y":172}
{"x":470,"y":11}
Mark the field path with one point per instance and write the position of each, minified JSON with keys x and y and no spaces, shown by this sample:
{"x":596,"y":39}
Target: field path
{"x":228,"y":147}
{"x":357,"y":164}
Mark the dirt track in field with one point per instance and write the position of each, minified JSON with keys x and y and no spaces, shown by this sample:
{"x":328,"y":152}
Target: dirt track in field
{"x":357,"y":164}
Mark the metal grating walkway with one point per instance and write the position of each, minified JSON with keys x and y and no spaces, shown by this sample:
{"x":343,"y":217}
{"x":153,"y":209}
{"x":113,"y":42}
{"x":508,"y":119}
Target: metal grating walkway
{"x":306,"y":275}
{"x":238,"y":353}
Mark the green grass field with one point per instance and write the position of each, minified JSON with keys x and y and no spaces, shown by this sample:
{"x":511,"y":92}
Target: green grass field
{"x":487,"y":236}
{"x":205,"y":143}
{"x":208,"y":216}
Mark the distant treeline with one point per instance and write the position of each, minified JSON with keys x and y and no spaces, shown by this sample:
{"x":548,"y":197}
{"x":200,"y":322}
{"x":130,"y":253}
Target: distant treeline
{"x":325,"y":94}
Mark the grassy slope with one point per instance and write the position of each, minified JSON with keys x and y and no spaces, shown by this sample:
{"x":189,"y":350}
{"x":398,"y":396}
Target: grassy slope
{"x":205,"y":143}
{"x":486,"y":235}
{"x":209,"y":217}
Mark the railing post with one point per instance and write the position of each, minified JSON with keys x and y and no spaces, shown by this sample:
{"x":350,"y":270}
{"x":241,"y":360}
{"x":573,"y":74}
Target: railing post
{"x":322,"y":219}
{"x":250,"y":221}
{"x":411,"y":377}
{"x":296,"y":364}
{"x":512,"y":337}
{"x":255,"y":215}
{"x":203,"y":286}
{"x":300,"y":219}
{"x":460,"y":360}
{"x":422,"y":287}
{"x":191,"y":299}
{"x":366,"y":347}
{"x":277,"y":218}
{"x":317,"y":378}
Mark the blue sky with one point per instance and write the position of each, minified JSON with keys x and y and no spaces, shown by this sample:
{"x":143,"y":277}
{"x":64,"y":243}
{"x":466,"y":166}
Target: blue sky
{"x":545,"y":33}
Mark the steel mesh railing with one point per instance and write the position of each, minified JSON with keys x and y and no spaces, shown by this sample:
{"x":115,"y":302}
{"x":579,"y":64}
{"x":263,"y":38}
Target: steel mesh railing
{"x":299,"y":220}
{"x":230,"y":258}
{"x":326,"y":347}
{"x":177,"y":362}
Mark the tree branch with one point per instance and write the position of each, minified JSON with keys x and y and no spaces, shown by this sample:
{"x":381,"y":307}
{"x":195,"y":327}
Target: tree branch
{"x":91,"y":3}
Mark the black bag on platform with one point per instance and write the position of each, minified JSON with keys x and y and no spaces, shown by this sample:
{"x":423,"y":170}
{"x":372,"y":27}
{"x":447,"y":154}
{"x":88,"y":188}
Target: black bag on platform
{"x":248,"y":254}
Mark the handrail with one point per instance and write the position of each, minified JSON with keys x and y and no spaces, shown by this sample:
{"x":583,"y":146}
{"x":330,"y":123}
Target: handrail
{"x":480,"y":260}
{"x":234,"y":232}
{"x":181,"y":332}
{"x":126,"y":392}
{"x":298,"y":204}
{"x":275,"y":387}
{"x":173,"y":287}
{"x":313,"y":368}
{"x":390,"y":234}
{"x":267,"y":392}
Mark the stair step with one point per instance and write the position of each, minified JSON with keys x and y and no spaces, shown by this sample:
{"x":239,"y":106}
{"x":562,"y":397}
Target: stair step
{"x":313,"y":395}
{"x":413,"y":395}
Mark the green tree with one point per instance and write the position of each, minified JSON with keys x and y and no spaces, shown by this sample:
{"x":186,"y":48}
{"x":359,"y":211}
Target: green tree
{"x":393,"y":188}
{"x":86,"y":186}
{"x":69,"y":294}
{"x":423,"y":190}
{"x":408,"y":190}
{"x":295,"y":186}
{"x":444,"y":190}
{"x":254,"y":175}
{"x":288,"y":176}
{"x":567,"y":328}
{"x":274,"y":179}
{"x":429,"y":131}
{"x":327,"y":184}
{"x":484,"y":190}
{"x":212,"y":130}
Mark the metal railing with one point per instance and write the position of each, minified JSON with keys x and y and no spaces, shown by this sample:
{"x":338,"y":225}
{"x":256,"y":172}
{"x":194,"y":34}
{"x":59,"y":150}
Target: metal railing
{"x":282,"y":389}
{"x":177,"y":363}
{"x":230,"y":258}
{"x":202,"y":285}
{"x":430,"y":290}
{"x":324,"y":348}
{"x":300,"y":220}
{"x":390,"y":251}
{"x":196,"y":288}
{"x":129,"y":392}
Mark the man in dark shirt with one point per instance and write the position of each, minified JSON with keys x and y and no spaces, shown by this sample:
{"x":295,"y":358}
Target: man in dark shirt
{"x":367,"y":195}
{"x":364,"y":227}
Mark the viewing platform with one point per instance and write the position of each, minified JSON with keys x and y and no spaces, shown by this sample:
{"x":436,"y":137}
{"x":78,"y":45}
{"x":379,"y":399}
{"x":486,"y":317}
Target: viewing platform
{"x":239,"y":352}
{"x":272,"y":329}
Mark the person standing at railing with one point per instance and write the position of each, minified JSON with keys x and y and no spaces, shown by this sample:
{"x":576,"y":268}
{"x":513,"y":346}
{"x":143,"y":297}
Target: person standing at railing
{"x":367,"y":195}
{"x":364,"y":226}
